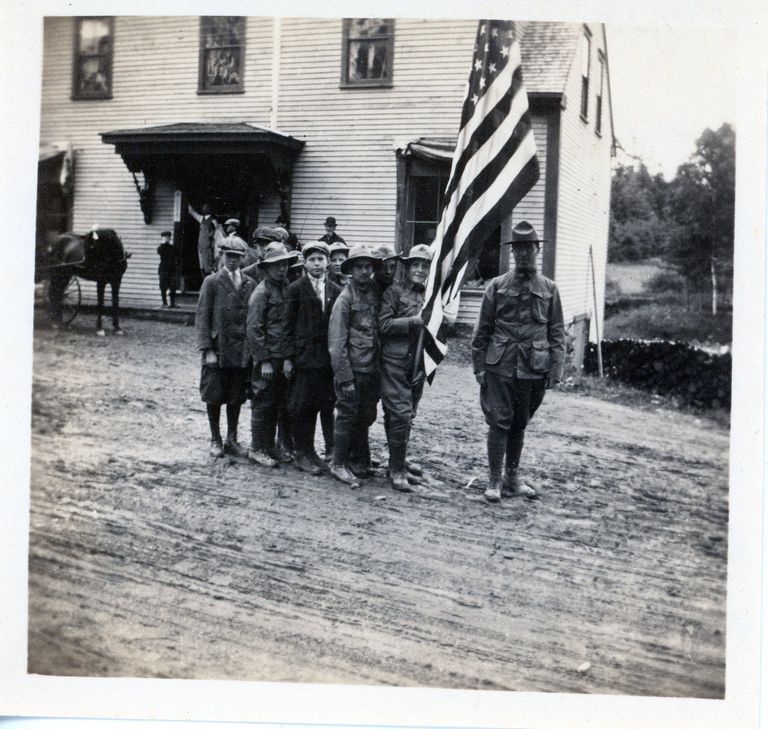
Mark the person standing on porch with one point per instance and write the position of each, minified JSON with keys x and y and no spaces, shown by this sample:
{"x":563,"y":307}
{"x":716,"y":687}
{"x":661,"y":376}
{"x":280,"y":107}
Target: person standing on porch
{"x":518,"y":347}
{"x":331,"y":236}
{"x":220,"y":324}
{"x":204,"y":237}
{"x":168,"y":270}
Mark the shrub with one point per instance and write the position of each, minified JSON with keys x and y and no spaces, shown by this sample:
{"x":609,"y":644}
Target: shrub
{"x":664,"y":281}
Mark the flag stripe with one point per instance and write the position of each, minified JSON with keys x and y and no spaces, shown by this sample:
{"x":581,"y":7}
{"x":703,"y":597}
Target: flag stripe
{"x":494,"y":166}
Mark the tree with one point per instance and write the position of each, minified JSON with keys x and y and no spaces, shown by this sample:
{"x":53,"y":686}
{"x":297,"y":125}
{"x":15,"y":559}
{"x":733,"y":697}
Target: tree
{"x":637,"y":229}
{"x":701,"y":204}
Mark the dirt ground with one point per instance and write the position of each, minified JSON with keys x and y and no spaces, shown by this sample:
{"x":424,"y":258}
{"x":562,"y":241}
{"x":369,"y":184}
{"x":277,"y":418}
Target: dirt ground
{"x":149,"y":559}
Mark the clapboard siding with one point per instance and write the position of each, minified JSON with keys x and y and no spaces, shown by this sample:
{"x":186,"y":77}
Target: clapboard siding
{"x":348,"y":165}
{"x":584,"y":193}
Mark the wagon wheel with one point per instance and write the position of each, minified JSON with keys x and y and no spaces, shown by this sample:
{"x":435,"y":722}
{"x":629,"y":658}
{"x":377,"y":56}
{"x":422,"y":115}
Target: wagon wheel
{"x":70,"y":301}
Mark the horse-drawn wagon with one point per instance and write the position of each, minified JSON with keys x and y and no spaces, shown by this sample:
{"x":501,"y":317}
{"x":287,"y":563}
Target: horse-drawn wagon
{"x":95,"y":256}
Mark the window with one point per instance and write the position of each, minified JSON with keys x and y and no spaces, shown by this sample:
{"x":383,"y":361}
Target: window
{"x":424,"y":203}
{"x":92,"y":77}
{"x":600,"y":91}
{"x":584,"y":52}
{"x":222,"y":42}
{"x":367,"y":52}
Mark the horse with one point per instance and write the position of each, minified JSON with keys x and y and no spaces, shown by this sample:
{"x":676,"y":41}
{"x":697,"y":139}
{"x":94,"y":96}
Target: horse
{"x":96,"y":256}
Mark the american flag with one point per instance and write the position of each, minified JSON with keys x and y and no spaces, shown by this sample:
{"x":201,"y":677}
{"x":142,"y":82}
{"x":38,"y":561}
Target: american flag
{"x":494,"y":166}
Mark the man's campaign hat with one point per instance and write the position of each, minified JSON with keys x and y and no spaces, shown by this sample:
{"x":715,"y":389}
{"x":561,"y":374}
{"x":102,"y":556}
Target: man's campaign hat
{"x":524,"y":232}
{"x":275,"y":253}
{"x":359,"y":253}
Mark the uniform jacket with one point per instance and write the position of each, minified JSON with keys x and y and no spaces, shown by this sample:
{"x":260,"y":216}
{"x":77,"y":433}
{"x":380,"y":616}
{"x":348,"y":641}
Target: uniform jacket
{"x":520,"y":330}
{"x":352,"y":332}
{"x":266,"y":322}
{"x":306,"y":324}
{"x":398,"y":330}
{"x":221,"y":317}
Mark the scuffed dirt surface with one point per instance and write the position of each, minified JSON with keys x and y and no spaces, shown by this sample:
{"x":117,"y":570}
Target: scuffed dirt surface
{"x":148,"y":559}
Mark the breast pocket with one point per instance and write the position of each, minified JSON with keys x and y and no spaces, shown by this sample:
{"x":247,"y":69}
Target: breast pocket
{"x":362,"y":319}
{"x":508,"y":305}
{"x":540,"y":303}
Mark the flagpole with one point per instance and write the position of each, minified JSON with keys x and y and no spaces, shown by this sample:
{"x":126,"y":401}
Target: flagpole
{"x":419,"y":355}
{"x":597,"y":321}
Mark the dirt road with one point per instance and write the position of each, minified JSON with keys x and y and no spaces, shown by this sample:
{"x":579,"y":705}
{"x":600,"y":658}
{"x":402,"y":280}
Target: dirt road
{"x":148,"y":559}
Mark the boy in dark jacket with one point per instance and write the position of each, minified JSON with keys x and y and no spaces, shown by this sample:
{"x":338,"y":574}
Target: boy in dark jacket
{"x":220,"y":324}
{"x":308,"y":311}
{"x":353,"y":346}
{"x":266,"y":351}
{"x":167,"y":271}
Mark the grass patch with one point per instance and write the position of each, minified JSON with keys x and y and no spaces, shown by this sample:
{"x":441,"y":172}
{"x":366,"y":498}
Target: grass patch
{"x":668,"y":319}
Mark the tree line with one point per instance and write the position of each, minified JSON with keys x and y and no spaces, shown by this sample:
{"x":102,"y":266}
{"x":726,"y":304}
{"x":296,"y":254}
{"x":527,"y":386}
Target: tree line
{"x":687,"y":222}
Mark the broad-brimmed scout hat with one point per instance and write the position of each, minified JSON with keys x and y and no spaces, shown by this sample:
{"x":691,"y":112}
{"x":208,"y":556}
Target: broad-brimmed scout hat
{"x":524,"y":232}
{"x":338,"y":246}
{"x":384,"y":252}
{"x":318,"y":247}
{"x":420,"y":252}
{"x":299,"y":262}
{"x":232,"y":221}
{"x":261,"y":234}
{"x":234,"y":245}
{"x":357,"y":254}
{"x":275,"y":253}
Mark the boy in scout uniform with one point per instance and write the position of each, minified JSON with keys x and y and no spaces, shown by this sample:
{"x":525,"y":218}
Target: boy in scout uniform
{"x":518,"y":348}
{"x":401,"y":388}
{"x":220,"y":324}
{"x":353,"y":346}
{"x":385,"y":276}
{"x":266,"y":351}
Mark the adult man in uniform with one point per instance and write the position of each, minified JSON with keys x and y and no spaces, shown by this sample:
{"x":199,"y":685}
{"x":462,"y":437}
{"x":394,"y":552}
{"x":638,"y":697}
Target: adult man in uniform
{"x":518,"y":348}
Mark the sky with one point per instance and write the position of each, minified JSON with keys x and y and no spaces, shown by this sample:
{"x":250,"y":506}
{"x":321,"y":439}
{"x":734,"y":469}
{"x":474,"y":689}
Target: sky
{"x":668,"y":85}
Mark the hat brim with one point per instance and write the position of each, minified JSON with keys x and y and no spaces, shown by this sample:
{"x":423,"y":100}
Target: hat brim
{"x":408,"y":259}
{"x":531,"y":240}
{"x":234,"y":253}
{"x":278,"y":259}
{"x":346,"y":265}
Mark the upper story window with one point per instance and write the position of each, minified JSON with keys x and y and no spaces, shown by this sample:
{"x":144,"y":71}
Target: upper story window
{"x":600,"y":92}
{"x":92,"y":77}
{"x":367,"y":52}
{"x":222,"y":47}
{"x":584,"y":52}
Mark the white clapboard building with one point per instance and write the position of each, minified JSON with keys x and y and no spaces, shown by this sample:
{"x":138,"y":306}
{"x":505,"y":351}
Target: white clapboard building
{"x":311,"y":117}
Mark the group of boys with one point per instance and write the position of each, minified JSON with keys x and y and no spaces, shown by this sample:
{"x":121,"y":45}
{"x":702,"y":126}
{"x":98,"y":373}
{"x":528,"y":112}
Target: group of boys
{"x":334,"y":341}
{"x":340,"y":338}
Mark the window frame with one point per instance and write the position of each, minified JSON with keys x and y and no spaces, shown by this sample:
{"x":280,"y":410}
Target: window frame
{"x":77,"y":56}
{"x":600,"y":96}
{"x":584,"y":102}
{"x":204,"y":90}
{"x":385,"y":82}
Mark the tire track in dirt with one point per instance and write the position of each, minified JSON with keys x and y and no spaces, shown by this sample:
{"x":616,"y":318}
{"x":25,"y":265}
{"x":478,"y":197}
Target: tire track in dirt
{"x":148,"y":560}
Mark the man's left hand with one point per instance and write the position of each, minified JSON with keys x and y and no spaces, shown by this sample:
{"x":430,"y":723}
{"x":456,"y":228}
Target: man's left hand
{"x":288,"y":369}
{"x":551,"y":382}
